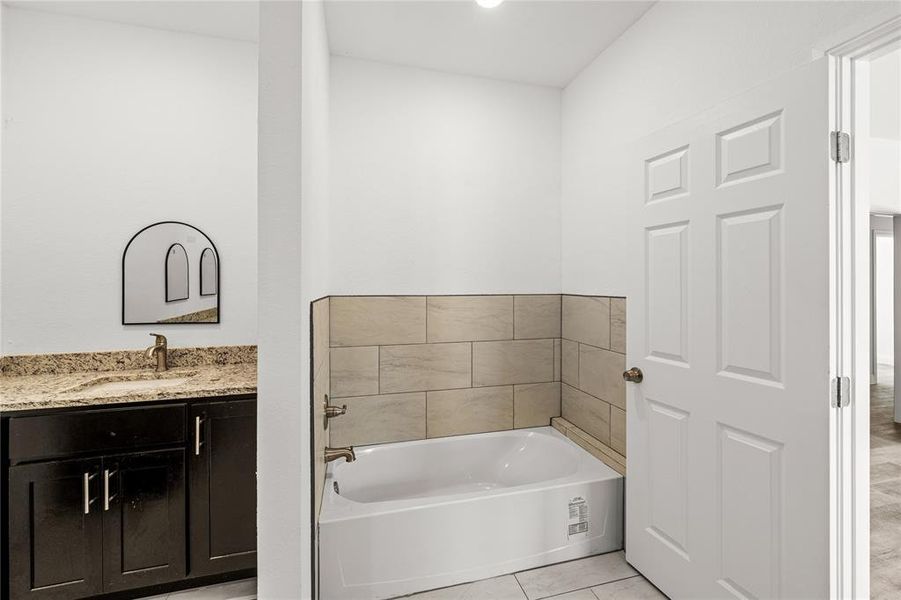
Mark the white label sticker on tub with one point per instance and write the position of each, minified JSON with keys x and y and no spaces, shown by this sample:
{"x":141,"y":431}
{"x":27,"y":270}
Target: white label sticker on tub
{"x":577,"y":525}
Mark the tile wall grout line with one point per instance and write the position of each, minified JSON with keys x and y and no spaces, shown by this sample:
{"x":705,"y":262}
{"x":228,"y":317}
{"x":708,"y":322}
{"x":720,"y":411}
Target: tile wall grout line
{"x":472,"y":367}
{"x":478,"y":387}
{"x":488,"y":341}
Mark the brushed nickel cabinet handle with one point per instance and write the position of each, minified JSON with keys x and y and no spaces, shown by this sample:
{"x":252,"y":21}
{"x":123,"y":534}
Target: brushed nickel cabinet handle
{"x":87,"y":493}
{"x":197,"y":424}
{"x":106,"y":496}
{"x":633,"y":375}
{"x":86,"y":490}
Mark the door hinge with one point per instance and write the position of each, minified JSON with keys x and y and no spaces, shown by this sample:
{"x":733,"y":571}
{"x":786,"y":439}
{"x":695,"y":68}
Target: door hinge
{"x":840,"y":145}
{"x":841,"y":392}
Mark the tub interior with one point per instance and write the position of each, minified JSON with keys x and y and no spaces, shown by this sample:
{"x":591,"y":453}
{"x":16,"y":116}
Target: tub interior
{"x":452,"y":466}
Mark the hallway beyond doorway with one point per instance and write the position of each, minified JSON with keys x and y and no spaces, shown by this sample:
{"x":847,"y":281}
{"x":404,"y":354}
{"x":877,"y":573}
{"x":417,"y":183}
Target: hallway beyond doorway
{"x":885,"y":489}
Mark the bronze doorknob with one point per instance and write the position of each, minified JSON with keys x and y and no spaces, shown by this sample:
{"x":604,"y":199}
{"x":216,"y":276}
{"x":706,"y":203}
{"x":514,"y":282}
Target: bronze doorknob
{"x":634,"y":375}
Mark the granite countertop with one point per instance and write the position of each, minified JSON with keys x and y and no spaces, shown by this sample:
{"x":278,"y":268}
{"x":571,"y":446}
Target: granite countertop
{"x":30,"y":392}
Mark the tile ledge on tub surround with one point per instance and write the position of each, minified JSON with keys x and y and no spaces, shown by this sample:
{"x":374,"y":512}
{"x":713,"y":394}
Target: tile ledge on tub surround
{"x":121,"y":360}
{"x":592,"y":445}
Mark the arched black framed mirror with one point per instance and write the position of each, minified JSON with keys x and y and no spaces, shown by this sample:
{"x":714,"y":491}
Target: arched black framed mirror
{"x":156,"y":276}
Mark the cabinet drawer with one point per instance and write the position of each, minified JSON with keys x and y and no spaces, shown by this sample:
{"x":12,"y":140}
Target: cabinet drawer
{"x":93,"y":431}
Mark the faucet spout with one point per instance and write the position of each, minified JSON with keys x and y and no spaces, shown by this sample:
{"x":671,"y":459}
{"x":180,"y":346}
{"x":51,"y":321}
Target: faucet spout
{"x":160,"y":349}
{"x":346,"y":453}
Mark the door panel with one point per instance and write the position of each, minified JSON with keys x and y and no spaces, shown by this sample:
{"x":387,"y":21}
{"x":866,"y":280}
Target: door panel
{"x":728,"y":432}
{"x":54,"y":537}
{"x":667,"y":284}
{"x":667,"y":471}
{"x":143,"y":519}
{"x":223,"y":487}
{"x":749,"y":296}
{"x":750,"y":513}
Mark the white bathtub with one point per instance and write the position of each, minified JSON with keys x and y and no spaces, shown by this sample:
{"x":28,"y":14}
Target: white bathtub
{"x":414,"y":516}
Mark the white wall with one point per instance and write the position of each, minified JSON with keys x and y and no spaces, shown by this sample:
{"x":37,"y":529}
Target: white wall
{"x":884,"y":299}
{"x":677,"y":60}
{"x":885,"y":96}
{"x":442,"y":183}
{"x":293,"y":268}
{"x":884,"y":143}
{"x":109,"y":128}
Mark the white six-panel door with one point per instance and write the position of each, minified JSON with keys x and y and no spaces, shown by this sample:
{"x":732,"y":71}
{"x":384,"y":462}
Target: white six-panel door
{"x":727,"y":490}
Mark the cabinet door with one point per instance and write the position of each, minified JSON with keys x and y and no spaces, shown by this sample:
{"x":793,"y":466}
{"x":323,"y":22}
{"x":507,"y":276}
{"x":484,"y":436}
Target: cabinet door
{"x":55,"y":530}
{"x":223,"y":491}
{"x":142,"y":496}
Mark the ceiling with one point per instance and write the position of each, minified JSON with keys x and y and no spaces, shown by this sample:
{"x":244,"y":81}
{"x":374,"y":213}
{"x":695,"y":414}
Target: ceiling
{"x":544,"y":42}
{"x":232,"y":19}
{"x":541,"y":42}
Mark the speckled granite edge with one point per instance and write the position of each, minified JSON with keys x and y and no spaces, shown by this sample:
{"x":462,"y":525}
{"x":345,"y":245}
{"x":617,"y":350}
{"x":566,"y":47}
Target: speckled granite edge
{"x":33,"y":392}
{"x":121,"y":360}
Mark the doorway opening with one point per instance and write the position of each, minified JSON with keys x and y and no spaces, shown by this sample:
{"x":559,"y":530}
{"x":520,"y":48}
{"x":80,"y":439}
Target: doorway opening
{"x":867,"y":240}
{"x":883,"y":141}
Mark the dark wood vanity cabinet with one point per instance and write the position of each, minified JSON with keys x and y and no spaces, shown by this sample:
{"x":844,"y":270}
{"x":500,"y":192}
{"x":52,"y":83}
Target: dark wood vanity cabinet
{"x":143,"y":502}
{"x":55,"y":530}
{"x":223,"y":487}
{"x":103,"y":501}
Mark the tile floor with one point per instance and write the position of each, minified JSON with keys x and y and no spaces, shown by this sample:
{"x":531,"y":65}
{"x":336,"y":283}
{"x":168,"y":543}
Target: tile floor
{"x":245,"y":589}
{"x":885,"y":490}
{"x":601,"y":577}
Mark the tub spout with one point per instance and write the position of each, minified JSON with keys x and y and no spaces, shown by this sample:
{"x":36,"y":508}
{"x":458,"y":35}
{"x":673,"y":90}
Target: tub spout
{"x":336,"y":453}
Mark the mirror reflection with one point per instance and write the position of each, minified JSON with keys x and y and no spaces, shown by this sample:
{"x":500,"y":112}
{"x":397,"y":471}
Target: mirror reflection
{"x":158,"y":285}
{"x":176,"y":273}
{"x":209,"y":282}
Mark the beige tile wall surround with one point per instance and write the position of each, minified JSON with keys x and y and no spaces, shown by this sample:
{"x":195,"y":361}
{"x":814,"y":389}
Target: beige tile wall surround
{"x":536,"y":317}
{"x":469,"y":318}
{"x":377,"y":320}
{"x":618,"y":429}
{"x":411,"y":367}
{"x":423,"y":367}
{"x":379,"y":419}
{"x":570,"y":366}
{"x":354,"y":371}
{"x":558,"y":359}
{"x":593,"y":395}
{"x":590,"y":413}
{"x":618,"y":325}
{"x":601,"y":374}
{"x":472,"y":410}
{"x":477,"y":362}
{"x":535,"y":404}
{"x":513,"y":361}
{"x":586,"y":319}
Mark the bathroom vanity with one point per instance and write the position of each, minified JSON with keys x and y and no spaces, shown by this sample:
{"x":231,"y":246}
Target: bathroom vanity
{"x":130,"y":498}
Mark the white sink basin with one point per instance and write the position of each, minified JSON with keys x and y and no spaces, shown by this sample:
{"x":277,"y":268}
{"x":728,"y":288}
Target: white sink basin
{"x":124,"y":384}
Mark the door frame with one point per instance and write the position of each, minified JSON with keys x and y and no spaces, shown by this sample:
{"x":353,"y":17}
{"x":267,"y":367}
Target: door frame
{"x":849,"y":302}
